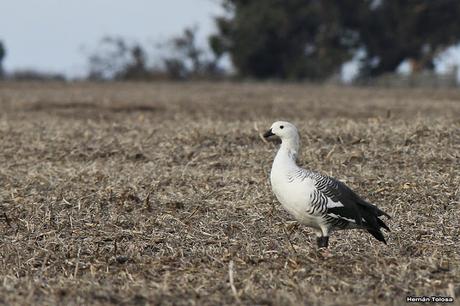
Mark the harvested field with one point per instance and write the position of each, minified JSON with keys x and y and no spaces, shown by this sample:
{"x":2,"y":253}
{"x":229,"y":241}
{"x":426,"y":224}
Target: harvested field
{"x":158,"y":194}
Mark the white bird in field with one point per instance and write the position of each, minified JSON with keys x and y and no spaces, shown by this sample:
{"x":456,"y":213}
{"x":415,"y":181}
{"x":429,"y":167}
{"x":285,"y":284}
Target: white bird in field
{"x":316,"y":200}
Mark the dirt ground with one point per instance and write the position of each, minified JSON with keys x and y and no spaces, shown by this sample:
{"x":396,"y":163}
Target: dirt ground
{"x":158,"y":194}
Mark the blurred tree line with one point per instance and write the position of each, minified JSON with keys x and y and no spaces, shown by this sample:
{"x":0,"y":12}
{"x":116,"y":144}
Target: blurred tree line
{"x":298,"y":39}
{"x":118,"y":59}
{"x":291,"y":40}
{"x":312,"y":39}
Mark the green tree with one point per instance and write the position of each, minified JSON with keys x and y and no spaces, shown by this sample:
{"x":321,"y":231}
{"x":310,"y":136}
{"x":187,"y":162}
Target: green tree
{"x":416,"y":30}
{"x":296,"y":39}
{"x":284,"y":39}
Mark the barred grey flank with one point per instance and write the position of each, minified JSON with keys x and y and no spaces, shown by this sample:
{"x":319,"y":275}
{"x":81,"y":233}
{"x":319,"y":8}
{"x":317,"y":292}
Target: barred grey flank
{"x":325,"y":188}
{"x":319,"y":201}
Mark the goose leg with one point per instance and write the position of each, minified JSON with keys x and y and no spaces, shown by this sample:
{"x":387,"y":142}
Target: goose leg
{"x":322,"y":241}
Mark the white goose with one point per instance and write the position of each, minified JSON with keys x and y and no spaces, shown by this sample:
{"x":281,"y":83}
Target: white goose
{"x":316,"y":200}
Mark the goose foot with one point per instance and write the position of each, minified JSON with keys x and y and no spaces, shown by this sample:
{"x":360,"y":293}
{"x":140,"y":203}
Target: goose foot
{"x":322,"y":241}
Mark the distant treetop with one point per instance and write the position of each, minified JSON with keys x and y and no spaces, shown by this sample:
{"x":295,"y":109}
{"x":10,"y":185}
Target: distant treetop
{"x":311,"y":39}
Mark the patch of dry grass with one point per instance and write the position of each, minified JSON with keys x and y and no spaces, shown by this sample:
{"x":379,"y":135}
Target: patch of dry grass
{"x":154,"y":194}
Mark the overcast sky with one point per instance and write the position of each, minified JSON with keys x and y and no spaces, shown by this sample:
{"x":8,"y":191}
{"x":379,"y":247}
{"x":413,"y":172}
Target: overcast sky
{"x":56,"y":35}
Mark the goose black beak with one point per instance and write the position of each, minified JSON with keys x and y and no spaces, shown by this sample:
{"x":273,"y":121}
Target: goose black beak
{"x":268,"y":133}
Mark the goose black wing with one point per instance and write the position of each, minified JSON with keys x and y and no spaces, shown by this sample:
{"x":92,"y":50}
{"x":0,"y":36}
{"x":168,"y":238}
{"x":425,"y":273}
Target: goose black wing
{"x":345,"y":204}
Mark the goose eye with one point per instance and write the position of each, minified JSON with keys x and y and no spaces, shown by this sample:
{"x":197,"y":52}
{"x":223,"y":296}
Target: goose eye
{"x":282,"y":127}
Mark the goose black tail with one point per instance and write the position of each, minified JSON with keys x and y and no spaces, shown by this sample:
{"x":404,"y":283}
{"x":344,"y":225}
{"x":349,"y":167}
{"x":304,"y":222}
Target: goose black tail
{"x":382,"y":224}
{"x":377,"y":234}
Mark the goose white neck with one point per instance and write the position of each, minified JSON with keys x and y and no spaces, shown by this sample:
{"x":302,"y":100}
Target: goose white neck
{"x":291,"y":147}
